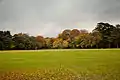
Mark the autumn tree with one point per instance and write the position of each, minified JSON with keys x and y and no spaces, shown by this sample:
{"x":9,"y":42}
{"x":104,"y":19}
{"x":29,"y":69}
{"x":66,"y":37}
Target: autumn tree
{"x":40,"y":42}
{"x":58,"y":43}
{"x":49,"y":42}
{"x":97,"y":37}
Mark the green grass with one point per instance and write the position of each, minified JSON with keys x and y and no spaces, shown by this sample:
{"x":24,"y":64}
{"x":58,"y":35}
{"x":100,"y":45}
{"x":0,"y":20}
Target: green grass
{"x":84,"y":64}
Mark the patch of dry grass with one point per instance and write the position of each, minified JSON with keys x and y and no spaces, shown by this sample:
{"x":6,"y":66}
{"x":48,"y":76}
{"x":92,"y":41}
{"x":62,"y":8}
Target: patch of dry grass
{"x":41,"y":74}
{"x":55,"y":74}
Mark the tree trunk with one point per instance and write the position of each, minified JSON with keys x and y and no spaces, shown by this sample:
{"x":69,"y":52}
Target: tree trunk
{"x":97,"y":46}
{"x":117,"y":45}
{"x":109,"y":45}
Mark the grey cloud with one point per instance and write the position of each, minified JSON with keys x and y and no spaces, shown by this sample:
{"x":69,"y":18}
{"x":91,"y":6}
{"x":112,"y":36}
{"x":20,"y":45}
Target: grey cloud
{"x":49,"y":17}
{"x":108,"y":10}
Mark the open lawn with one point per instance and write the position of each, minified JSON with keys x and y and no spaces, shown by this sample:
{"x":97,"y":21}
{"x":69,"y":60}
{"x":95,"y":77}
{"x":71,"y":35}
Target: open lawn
{"x":99,"y":64}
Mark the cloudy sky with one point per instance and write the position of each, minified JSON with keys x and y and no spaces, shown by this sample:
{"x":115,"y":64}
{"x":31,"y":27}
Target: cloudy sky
{"x":50,"y":17}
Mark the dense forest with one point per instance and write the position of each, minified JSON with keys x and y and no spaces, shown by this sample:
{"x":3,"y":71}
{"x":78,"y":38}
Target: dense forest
{"x":104,"y":35}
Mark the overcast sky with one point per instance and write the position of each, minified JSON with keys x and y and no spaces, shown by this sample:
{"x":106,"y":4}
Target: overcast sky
{"x":50,"y":17}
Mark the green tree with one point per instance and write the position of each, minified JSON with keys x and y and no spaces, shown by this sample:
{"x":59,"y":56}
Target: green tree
{"x":5,"y":40}
{"x":24,"y":41}
{"x":106,"y":31}
{"x":116,"y":35}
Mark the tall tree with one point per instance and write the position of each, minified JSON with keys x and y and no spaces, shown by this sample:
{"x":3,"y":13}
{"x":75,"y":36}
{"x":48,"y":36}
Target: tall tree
{"x":106,"y":30}
{"x":96,"y":38}
{"x":5,"y":40}
{"x":65,"y":35}
{"x":24,"y":41}
{"x":49,"y":42}
{"x":58,"y":43}
{"x":40,"y":42}
{"x":74,"y":33}
{"x":116,"y":35}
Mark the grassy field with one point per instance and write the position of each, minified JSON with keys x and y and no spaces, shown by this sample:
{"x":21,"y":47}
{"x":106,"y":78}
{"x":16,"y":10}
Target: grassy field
{"x":103,"y":64}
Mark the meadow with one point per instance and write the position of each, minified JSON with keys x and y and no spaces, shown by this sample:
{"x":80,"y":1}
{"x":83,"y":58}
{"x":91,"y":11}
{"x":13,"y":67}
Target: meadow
{"x":75,"y":64}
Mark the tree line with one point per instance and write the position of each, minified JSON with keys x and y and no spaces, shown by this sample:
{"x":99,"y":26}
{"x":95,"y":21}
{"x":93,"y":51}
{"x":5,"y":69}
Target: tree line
{"x":104,"y":35}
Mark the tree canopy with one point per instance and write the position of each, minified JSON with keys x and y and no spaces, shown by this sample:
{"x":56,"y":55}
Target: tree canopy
{"x":104,"y":35}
